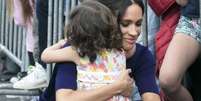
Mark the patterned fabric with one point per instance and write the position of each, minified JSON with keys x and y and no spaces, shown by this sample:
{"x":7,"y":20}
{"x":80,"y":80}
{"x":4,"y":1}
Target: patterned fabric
{"x":104,"y":70}
{"x":189,"y":27}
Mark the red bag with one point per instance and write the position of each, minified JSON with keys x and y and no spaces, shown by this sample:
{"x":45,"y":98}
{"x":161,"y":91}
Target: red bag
{"x":160,"y":6}
{"x":165,"y":33}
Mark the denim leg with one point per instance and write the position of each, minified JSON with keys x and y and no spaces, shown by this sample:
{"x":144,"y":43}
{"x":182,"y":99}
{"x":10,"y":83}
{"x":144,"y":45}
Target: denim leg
{"x":153,"y":27}
{"x":135,"y":94}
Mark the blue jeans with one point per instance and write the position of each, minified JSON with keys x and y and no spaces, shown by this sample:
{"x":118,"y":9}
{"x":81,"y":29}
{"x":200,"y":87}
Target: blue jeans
{"x":153,"y":24}
{"x":136,"y":95}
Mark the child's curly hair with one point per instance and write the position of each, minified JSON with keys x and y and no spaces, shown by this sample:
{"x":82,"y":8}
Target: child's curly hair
{"x":92,"y":27}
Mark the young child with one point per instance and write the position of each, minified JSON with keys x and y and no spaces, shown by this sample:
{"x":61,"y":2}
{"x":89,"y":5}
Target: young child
{"x":23,"y":11}
{"x":23,"y":16}
{"x":96,"y":47}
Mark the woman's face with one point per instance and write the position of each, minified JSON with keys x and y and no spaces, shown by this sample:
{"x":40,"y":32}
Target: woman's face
{"x":130,"y":26}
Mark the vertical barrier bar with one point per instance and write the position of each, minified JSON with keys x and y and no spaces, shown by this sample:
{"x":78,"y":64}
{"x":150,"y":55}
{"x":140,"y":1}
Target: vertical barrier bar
{"x":68,"y":4}
{"x":49,"y":33}
{"x":7,"y":29}
{"x":73,"y":4}
{"x":15,"y":40}
{"x":18,"y":42}
{"x":55,"y":24}
{"x":0,"y":18}
{"x":8,"y":34}
{"x":19,"y":55}
{"x":61,"y":15}
{"x":144,"y":27}
{"x":24,"y":52}
{"x":3,"y":22}
{"x":50,"y":22}
{"x":79,"y":2}
{"x":11,"y":35}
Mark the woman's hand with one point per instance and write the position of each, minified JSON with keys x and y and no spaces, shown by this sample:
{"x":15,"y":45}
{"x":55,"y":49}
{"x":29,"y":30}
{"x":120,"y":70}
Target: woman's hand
{"x":128,"y":91}
{"x":125,"y":83}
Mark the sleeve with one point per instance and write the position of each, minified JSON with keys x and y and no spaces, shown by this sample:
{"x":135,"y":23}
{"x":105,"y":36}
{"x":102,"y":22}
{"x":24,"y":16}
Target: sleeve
{"x":145,"y":74}
{"x":66,"y":76}
{"x":63,"y":77}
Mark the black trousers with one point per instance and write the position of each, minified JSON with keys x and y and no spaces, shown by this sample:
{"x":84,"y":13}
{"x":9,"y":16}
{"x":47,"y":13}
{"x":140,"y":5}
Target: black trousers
{"x":42,"y":16}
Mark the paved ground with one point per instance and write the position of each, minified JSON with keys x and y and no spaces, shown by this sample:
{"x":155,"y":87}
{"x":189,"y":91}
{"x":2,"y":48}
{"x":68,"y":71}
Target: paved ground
{"x":4,"y":98}
{"x":17,"y":98}
{"x":6,"y":88}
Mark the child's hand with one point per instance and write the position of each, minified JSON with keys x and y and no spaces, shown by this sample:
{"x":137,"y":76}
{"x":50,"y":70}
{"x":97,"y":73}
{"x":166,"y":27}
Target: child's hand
{"x":77,"y":61}
{"x":62,"y":42}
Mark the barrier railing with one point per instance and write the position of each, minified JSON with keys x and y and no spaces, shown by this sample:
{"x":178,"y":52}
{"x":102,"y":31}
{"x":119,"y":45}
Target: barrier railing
{"x":13,"y":37}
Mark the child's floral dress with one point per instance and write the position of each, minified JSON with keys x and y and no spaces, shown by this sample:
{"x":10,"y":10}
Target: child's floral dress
{"x":104,"y":70}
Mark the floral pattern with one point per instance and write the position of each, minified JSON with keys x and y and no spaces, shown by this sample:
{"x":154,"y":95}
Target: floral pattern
{"x":104,"y":70}
{"x":191,"y":27}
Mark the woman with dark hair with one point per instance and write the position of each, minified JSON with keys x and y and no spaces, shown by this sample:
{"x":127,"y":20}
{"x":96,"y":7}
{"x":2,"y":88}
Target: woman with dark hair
{"x":129,"y":15}
{"x":102,"y":59}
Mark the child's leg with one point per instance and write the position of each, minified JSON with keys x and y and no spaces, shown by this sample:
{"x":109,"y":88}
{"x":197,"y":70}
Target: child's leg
{"x":181,"y":53}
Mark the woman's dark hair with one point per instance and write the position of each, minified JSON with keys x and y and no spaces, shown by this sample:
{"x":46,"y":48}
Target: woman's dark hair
{"x":91,"y":28}
{"x":118,"y":7}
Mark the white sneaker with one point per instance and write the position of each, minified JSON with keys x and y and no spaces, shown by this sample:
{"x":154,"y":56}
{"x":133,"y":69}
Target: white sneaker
{"x":14,"y":79}
{"x":31,"y":68}
{"x":36,"y":79}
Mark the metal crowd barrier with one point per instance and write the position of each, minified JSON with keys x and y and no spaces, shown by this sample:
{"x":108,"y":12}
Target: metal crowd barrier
{"x":57,"y":18}
{"x":13,"y":37}
{"x":12,"y":44}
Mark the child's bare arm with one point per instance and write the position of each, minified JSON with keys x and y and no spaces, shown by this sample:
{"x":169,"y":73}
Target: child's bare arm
{"x":56,"y":53}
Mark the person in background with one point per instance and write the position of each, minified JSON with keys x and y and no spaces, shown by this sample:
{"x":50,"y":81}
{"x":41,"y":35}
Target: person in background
{"x":23,"y":11}
{"x":178,"y":58}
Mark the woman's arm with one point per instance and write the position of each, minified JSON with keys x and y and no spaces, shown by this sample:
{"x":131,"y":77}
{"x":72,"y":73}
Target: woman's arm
{"x":145,"y":77}
{"x":149,"y":96}
{"x":182,"y":2}
{"x":99,"y":94}
{"x":56,"y":53}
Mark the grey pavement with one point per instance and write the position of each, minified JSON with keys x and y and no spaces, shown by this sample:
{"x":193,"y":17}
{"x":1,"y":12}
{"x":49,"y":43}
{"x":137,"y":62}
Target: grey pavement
{"x":17,"y":98}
